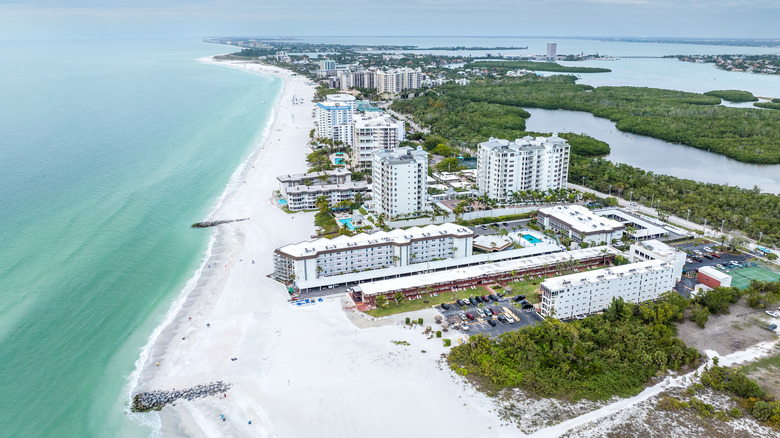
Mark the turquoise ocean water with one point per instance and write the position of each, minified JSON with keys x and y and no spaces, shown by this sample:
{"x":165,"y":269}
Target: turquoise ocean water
{"x":109,"y":150}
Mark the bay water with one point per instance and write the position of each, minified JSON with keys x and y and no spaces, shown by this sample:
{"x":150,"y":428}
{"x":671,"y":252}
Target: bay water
{"x":109,"y":151}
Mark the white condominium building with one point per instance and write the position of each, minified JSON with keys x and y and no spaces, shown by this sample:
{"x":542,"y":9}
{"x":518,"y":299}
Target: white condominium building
{"x":399,"y":181}
{"x":527,"y":164}
{"x":592,"y":291}
{"x":657,"y":250}
{"x":580,"y":224}
{"x":302,"y":190}
{"x":334,"y":118}
{"x":390,"y":81}
{"x":372,"y":133}
{"x":305,"y":197}
{"x":336,"y":176}
{"x":313,"y":259}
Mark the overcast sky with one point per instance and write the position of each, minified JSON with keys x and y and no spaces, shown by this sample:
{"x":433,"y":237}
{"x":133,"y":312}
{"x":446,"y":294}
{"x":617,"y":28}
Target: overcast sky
{"x":201,"y":18}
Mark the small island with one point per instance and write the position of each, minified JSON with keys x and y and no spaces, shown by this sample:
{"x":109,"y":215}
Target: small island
{"x":764,"y":64}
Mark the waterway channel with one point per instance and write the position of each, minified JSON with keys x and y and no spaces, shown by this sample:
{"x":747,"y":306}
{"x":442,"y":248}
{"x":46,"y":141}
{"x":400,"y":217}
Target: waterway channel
{"x":655,"y":155}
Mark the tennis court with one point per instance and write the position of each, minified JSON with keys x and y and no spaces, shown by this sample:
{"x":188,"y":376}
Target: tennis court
{"x":741,"y":277}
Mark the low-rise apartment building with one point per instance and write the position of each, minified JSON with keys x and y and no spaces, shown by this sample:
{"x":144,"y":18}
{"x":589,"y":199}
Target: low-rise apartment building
{"x":309,"y":260}
{"x":580,"y":224}
{"x":588,"y":292}
{"x":301,"y":190}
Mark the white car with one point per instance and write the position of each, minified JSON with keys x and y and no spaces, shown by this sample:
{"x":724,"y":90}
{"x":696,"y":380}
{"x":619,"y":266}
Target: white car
{"x":773,"y":314}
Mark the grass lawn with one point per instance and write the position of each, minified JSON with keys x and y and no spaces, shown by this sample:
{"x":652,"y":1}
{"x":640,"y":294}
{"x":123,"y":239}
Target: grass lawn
{"x":409,"y":306}
{"x":527,"y":288}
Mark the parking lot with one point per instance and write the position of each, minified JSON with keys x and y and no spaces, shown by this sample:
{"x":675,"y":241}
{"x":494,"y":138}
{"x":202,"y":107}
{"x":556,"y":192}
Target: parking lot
{"x":504,"y":307}
{"x":691,"y":265}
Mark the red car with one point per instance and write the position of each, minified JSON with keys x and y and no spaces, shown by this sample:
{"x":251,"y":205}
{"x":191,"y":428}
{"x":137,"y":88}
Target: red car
{"x":716,"y":255}
{"x":469,"y":316}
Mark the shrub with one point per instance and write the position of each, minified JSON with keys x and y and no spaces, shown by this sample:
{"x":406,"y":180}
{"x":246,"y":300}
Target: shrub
{"x":447,"y":342}
{"x":420,"y":321}
{"x":408,"y":320}
{"x":438,"y":333}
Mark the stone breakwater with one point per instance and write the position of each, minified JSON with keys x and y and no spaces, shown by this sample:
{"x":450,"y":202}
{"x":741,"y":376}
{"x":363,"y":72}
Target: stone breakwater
{"x":215,"y":223}
{"x":147,"y":401}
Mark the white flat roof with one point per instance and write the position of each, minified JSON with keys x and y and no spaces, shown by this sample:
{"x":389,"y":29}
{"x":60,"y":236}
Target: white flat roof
{"x":311,"y":248}
{"x":657,"y":247}
{"x":421,"y":280}
{"x":427,"y":266}
{"x":353,"y":185}
{"x":650,"y":228}
{"x":566,"y":281}
{"x":581,"y":220}
{"x":713,"y":273}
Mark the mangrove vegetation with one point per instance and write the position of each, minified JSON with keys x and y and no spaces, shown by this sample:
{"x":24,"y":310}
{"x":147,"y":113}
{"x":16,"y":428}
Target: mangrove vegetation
{"x":745,"y":134}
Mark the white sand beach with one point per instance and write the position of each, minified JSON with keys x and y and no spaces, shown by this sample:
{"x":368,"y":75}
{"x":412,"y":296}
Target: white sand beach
{"x":301,"y":371}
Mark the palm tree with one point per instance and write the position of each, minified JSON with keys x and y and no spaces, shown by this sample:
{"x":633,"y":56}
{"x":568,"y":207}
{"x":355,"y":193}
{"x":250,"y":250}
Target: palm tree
{"x":380,"y":301}
{"x":399,"y":296}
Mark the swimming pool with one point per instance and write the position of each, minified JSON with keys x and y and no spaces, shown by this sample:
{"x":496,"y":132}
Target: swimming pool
{"x":347,"y":223}
{"x":531,"y":238}
{"x":282,"y":202}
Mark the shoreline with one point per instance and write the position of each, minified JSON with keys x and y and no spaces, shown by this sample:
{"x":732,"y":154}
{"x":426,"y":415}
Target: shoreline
{"x":201,"y":286}
{"x":297,"y":369}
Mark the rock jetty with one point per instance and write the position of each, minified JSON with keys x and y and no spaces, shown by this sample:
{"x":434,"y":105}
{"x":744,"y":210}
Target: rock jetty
{"x":155,"y":400}
{"x":207,"y":224}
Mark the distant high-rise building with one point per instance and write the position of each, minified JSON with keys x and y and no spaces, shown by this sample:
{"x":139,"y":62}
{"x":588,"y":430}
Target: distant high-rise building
{"x":400,"y":181}
{"x":552,"y":48}
{"x":327,"y":67}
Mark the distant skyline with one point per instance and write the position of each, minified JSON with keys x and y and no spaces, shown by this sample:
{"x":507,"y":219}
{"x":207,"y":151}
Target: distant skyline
{"x":212,"y":18}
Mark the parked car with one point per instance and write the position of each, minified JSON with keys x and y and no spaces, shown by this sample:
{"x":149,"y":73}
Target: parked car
{"x":462,"y":317}
{"x":772,"y":327}
{"x":461,"y":303}
{"x":485,"y":299}
{"x":465,"y":327}
{"x":499,"y":295}
{"x":716,"y":255}
{"x":445,"y":306}
{"x":479,"y":299}
{"x":697,"y":252}
{"x":527,"y":306}
{"x":504,"y":224}
{"x":773,"y":314}
{"x":470,"y":315}
{"x":502,"y":319}
{"x":734,"y":263}
{"x":708,"y":249}
{"x":580,"y":317}
{"x":720,"y":266}
{"x":491,"y":322}
{"x":473,"y":301}
{"x":708,"y":257}
{"x":493,"y":311}
{"x":518,"y":298}
{"x":484,"y":227}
